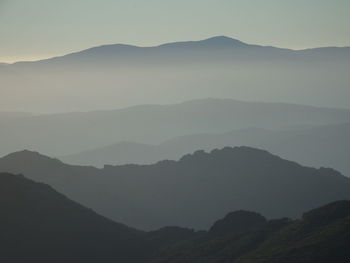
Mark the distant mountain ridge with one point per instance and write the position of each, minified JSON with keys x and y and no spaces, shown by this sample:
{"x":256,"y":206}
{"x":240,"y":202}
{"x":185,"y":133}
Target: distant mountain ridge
{"x":193,"y":190}
{"x":66,"y":133}
{"x":222,"y":42}
{"x":316,"y":146}
{"x":120,"y":75}
{"x":131,"y":51}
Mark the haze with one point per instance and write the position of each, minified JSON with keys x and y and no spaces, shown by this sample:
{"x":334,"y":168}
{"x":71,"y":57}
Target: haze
{"x":32,"y":30}
{"x":163,"y":131}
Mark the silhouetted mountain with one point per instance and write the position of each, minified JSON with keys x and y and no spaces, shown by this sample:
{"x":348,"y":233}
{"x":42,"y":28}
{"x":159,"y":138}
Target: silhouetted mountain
{"x":272,"y":241}
{"x":326,"y":146}
{"x":128,"y":54}
{"x":118,"y":75}
{"x":51,"y":171}
{"x":212,"y":47}
{"x":38,"y":224}
{"x":190,"y":192}
{"x":214,"y":42}
{"x":321,"y":236}
{"x":61,"y":134}
{"x":235,"y":237}
{"x":237,"y":222}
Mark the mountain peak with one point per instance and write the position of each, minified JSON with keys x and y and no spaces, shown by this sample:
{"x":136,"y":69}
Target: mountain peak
{"x":228,"y":152}
{"x":26,"y":154}
{"x":217,"y":41}
{"x":28,"y":158}
{"x":238,"y":222}
{"x":223,"y":40}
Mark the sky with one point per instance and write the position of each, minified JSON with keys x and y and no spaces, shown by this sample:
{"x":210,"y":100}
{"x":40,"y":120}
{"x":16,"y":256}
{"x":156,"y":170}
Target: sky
{"x":36,"y":29}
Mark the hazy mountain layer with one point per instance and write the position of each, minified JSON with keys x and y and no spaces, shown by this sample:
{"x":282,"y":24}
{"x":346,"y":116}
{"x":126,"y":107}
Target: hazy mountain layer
{"x":61,"y":134}
{"x":327,"y":146}
{"x":114,"y":76}
{"x":191,"y":192}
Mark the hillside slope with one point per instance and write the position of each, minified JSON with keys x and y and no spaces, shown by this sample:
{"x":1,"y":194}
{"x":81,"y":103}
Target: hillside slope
{"x":38,"y":224}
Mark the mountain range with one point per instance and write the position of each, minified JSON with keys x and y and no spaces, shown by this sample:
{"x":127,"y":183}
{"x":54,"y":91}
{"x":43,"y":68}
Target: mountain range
{"x":190,"y":192}
{"x":40,"y":225}
{"x":316,"y":146}
{"x":254,"y":134}
{"x":321,"y":235}
{"x":115,"y":76}
{"x":67,"y":133}
{"x":188,"y":51}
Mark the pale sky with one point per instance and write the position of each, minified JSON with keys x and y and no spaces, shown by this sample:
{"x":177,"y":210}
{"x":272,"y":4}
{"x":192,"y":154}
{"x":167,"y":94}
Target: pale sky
{"x":35,"y":29}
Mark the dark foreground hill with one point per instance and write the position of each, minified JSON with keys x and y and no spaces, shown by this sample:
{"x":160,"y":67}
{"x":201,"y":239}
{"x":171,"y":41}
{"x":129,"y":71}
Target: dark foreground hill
{"x":191,"y":192}
{"x":40,"y":225}
{"x":322,"y":235}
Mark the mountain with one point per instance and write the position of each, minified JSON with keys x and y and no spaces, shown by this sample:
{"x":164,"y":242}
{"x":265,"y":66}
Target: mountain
{"x":325,"y":145}
{"x":63,"y":134}
{"x":40,"y":225}
{"x":322,"y":235}
{"x":119,"y":54}
{"x":214,"y":48}
{"x":190,"y":192}
{"x":119,"y":75}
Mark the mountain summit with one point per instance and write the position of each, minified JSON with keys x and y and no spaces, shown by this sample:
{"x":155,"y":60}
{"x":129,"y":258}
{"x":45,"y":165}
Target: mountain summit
{"x":217,"y":41}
